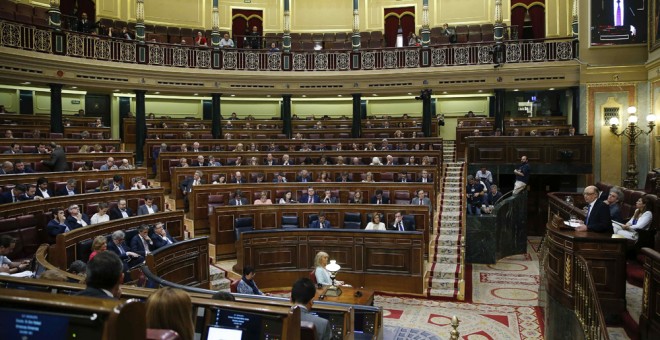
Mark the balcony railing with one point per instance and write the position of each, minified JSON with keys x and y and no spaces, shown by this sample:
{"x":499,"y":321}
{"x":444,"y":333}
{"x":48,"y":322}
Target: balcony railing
{"x":74,"y":44}
{"x":587,"y":305}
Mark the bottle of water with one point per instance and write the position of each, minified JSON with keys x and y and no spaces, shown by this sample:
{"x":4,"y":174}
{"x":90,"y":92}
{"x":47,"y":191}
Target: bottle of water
{"x":569,"y":201}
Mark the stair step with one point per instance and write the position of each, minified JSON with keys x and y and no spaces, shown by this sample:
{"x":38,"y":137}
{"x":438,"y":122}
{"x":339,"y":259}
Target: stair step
{"x":216,"y":273}
{"x":443,"y":292}
{"x":220,"y":284}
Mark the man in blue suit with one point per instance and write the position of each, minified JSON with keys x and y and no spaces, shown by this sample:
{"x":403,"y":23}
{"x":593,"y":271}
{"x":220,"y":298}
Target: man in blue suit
{"x":117,"y":246}
{"x":142,"y":243}
{"x":161,"y":236}
{"x":13,"y":195}
{"x":321,"y":223}
{"x":310,"y":197}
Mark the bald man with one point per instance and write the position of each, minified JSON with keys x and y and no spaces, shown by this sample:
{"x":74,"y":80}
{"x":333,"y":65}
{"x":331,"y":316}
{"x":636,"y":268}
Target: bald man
{"x":598,"y":213}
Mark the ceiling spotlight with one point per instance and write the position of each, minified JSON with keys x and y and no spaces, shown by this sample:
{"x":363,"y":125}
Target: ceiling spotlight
{"x":26,"y":83}
{"x":551,"y":89}
{"x":410,"y":93}
{"x":375,"y":95}
{"x":196,"y":94}
{"x":233,"y":95}
{"x":304,"y":96}
{"x":157,"y":92}
{"x":339,"y":95}
{"x":267,"y":96}
{"x":116,"y":90}
{"x":515,"y":90}
{"x":74,"y":87}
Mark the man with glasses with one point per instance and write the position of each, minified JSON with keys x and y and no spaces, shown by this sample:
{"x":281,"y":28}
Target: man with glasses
{"x":598,"y":217}
{"x":76,"y":219}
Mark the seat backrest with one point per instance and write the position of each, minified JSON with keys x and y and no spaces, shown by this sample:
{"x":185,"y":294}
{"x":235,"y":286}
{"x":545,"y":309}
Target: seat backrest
{"x":410,"y":220}
{"x":352,"y":220}
{"x":84,"y":249}
{"x":307,"y":330}
{"x":289,"y":221}
{"x":311,"y":218}
{"x":312,"y":276}
{"x":233,"y":286}
{"x":241,"y":225}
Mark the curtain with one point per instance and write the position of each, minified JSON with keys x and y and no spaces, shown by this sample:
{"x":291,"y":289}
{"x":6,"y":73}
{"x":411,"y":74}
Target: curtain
{"x":536,"y":13}
{"x":242,"y":20}
{"x":404,"y":16}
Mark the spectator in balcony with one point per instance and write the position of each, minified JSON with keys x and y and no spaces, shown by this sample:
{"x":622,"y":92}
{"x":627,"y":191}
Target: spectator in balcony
{"x":412,"y":40}
{"x":99,"y":245}
{"x":148,"y":207}
{"x":77,"y":219}
{"x":102,"y":215}
{"x":120,"y":211}
{"x":263,"y":198}
{"x":69,"y":189}
{"x":85,"y":25}
{"x":273,"y":48}
{"x":254,"y":39}
{"x":200,"y":40}
{"x":2,"y":109}
{"x":226,"y":41}
{"x":125,"y":34}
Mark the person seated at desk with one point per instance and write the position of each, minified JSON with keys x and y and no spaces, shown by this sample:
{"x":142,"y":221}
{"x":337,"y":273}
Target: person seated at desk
{"x":323,"y":275}
{"x":490,"y":199}
{"x":378,"y":198}
{"x":357,"y":198}
{"x":399,"y":224}
{"x":7,"y":266}
{"x":613,"y":198}
{"x":238,"y":198}
{"x":598,"y":217}
{"x":287,"y":198}
{"x":263,"y":199}
{"x":99,"y":245}
{"x":310,"y":197}
{"x":375,"y":223}
{"x":77,"y":219}
{"x":475,"y":191}
{"x":58,"y":224}
{"x":302,"y":295}
{"x":321,"y":223}
{"x":104,"y":276}
{"x":328,"y":198}
{"x":641,"y":220}
{"x":247,"y":284}
{"x":102,"y":215}
{"x":161,"y":236}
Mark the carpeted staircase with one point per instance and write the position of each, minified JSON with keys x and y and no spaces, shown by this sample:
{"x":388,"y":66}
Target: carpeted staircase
{"x":445,"y":276}
{"x":218,"y":278}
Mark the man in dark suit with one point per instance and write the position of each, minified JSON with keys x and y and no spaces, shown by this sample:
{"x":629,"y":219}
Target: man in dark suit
{"x":42,"y":188}
{"x":403,"y":177}
{"x":304,"y":177}
{"x":13,"y":195}
{"x":117,"y":183}
{"x":117,"y":246}
{"x":238,"y":178}
{"x":7,"y":168}
{"x":302,"y":295}
{"x":76,"y":219}
{"x":69,"y":189}
{"x":238,"y":199}
{"x":186,"y":187}
{"x":156,"y":153}
{"x":15,"y":148}
{"x":270,"y":160}
{"x":279,"y":178}
{"x":57,"y":161}
{"x":161,"y":236}
{"x":142,"y":243}
{"x":20,"y":168}
{"x":310,"y":197}
{"x":598,"y":213}
{"x":425,"y":178}
{"x":399,"y":224}
{"x":120,"y":210}
{"x":343,"y":177}
{"x":84,"y":24}
{"x":104,"y":275}
{"x":148,"y":207}
{"x":321,"y":223}
{"x":390,"y":160}
{"x":378,"y":198}
{"x":286,"y":160}
{"x":327,"y":198}
{"x":421,"y":199}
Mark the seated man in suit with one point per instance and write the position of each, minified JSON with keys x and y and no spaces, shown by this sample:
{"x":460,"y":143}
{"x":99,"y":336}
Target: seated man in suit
{"x":399,"y":224}
{"x":425,"y":178}
{"x":162,"y":237}
{"x":20,"y":168}
{"x":270,"y":160}
{"x":148,"y":207}
{"x":238,"y":198}
{"x":117,"y":245}
{"x":13,"y":195}
{"x":120,"y":210}
{"x":104,"y":275}
{"x":142,"y":243}
{"x":77,"y":219}
{"x":421,"y":199}
{"x":321,"y":223}
{"x":304,"y":176}
{"x":279,"y":178}
{"x":186,"y":187}
{"x":302,"y":295}
{"x":286,"y":160}
{"x":58,"y":224}
{"x":389,"y":160}
{"x":310,"y":197}
{"x":109,"y":164}
{"x":403,"y":177}
{"x":327,"y":198}
{"x":69,"y":189}
{"x":598,"y":213}
{"x":238,"y":178}
{"x":379,"y":198}
{"x":343,"y":177}
{"x":42,"y":188}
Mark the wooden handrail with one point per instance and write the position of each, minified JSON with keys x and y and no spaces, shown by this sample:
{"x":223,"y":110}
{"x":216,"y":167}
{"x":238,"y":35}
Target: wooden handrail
{"x":587,"y":306}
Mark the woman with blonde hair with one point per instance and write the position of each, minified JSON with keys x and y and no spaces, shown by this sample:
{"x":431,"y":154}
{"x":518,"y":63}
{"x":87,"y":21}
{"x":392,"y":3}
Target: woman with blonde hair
{"x":375,"y":223}
{"x":322,"y":274}
{"x":368,"y":178}
{"x":99,"y":245}
{"x":171,"y":308}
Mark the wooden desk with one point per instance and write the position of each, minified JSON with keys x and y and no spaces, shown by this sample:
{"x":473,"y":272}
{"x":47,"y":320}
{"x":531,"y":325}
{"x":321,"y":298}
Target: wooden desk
{"x":347,"y":296}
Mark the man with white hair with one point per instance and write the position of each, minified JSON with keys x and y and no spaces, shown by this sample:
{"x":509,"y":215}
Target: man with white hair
{"x":76,"y":219}
{"x":109,"y":164}
{"x":125,"y":165}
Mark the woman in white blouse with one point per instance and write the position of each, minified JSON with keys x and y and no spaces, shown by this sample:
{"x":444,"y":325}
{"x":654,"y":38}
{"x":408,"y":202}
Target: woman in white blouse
{"x":641,"y":220}
{"x":368,"y":178}
{"x":375,"y":223}
{"x":102,"y":215}
{"x":322,"y":274}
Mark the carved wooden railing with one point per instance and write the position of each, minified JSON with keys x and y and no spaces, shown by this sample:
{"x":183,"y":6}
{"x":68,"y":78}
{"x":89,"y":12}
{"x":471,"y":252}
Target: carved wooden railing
{"x":74,"y":44}
{"x":587,"y":306}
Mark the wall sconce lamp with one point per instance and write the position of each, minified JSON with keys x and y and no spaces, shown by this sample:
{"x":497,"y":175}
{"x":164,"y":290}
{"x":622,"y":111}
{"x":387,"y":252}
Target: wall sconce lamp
{"x":632,"y":131}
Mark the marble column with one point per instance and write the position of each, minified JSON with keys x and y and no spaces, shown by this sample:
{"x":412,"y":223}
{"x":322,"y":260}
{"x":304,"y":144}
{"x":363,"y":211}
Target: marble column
{"x":56,"y":124}
{"x":139,"y":20}
{"x":215,"y":18}
{"x":286,"y":38}
{"x":426,"y":30}
{"x":356,"y":129}
{"x":140,"y":126}
{"x":216,"y":118}
{"x":286,"y":115}
{"x":355,"y":38}
{"x":499,"y":25}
